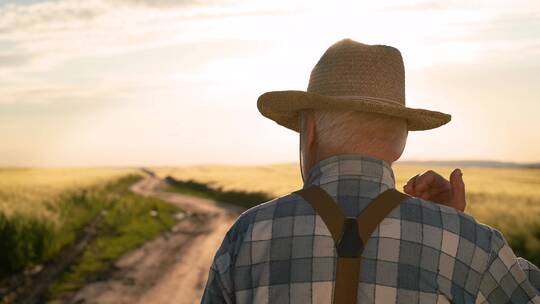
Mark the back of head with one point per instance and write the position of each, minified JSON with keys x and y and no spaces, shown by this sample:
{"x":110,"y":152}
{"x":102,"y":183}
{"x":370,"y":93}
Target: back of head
{"x":353,"y":132}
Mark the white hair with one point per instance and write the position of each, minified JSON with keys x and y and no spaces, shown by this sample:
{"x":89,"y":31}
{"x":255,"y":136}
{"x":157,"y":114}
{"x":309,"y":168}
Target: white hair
{"x":354,"y":131}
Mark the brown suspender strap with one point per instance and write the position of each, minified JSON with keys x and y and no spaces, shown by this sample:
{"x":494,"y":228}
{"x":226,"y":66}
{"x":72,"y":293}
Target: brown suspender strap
{"x":349,"y":245}
{"x":377,"y":210}
{"x":347,"y":279}
{"x":326,"y":208}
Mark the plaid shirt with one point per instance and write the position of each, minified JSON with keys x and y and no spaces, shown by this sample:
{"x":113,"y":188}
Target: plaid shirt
{"x":422,"y":252}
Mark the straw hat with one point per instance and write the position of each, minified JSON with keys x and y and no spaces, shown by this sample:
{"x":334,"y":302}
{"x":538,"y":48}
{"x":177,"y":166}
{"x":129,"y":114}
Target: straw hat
{"x":352,"y":76}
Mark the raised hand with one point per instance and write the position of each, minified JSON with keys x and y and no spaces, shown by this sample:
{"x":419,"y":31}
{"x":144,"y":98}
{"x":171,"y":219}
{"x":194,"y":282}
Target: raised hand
{"x":432,"y":186}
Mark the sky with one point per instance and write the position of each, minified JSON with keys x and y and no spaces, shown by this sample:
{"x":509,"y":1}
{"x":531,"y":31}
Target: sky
{"x":166,"y":82}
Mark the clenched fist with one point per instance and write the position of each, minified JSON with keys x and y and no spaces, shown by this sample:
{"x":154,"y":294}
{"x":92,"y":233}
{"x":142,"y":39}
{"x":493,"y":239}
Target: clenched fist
{"x":432,"y":186}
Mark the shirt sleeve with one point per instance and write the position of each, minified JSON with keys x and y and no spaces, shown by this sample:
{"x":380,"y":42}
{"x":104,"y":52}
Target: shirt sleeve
{"x":508,"y":279}
{"x":219,"y":287}
{"x":532,"y":272}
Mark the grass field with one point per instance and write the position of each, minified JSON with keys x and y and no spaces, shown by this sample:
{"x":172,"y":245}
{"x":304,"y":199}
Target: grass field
{"x":24,"y":191}
{"x":44,"y":210}
{"x":127,"y":225}
{"x":507,"y":199}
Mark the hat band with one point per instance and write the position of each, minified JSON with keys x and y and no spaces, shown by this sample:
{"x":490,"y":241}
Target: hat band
{"x":370,"y":98}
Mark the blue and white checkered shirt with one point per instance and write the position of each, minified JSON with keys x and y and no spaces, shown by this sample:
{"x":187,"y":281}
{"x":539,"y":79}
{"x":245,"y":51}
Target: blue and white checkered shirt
{"x":422,"y":252}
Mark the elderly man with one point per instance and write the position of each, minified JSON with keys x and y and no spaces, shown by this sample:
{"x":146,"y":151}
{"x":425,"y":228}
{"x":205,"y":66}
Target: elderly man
{"x":348,"y":236}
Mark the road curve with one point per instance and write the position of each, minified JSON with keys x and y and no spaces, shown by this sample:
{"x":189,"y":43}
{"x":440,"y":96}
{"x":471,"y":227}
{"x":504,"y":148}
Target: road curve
{"x":172,"y":268}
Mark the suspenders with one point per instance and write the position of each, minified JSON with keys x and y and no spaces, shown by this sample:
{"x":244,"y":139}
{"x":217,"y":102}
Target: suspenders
{"x":350,"y":234}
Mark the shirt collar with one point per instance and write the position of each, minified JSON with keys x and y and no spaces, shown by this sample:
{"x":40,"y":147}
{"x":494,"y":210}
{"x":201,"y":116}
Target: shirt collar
{"x":343,"y":166}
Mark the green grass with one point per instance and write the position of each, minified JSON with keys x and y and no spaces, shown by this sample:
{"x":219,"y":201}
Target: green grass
{"x":127,"y":225}
{"x":24,"y":241}
{"x":245,"y":199}
{"x":28,"y":238}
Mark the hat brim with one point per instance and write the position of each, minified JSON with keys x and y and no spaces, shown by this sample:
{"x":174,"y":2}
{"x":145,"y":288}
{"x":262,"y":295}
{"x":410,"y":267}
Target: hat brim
{"x":283,"y":107}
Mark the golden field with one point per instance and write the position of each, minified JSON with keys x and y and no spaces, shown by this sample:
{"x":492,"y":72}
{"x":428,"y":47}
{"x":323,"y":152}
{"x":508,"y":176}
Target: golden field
{"x":508,"y":199}
{"x":25,"y":190}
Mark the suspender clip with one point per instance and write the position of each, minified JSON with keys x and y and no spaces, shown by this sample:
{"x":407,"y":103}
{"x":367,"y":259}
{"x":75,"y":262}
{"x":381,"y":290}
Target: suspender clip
{"x":350,"y":244}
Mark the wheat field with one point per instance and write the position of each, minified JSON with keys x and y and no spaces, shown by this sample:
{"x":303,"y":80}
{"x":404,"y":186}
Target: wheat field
{"x":25,"y":191}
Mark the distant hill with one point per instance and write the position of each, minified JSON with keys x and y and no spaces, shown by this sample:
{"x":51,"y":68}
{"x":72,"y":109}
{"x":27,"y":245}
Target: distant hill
{"x":473,"y":163}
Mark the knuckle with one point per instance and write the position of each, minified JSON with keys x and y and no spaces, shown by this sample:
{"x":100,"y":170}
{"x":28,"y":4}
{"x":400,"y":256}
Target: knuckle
{"x":430,"y":172}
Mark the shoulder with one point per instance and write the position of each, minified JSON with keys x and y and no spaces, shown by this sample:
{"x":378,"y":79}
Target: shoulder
{"x":263,"y":215}
{"x":280,"y":206}
{"x":461,"y":247}
{"x":454,"y":224}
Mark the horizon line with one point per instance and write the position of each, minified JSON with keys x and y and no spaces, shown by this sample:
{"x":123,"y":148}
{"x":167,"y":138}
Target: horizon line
{"x":462,"y":162}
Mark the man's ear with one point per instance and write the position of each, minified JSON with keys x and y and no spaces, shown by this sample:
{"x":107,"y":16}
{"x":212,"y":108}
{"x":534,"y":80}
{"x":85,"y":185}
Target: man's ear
{"x":311,"y":136}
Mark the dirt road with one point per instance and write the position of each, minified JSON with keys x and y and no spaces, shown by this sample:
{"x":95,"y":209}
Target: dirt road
{"x":172,"y":268}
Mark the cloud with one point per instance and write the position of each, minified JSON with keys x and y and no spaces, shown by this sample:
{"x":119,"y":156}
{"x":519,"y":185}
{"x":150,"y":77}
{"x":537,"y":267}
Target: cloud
{"x":57,"y":31}
{"x":47,"y":15}
{"x":39,"y":92}
{"x":424,"y":5}
{"x":73,"y":51}
{"x":14,"y":59}
{"x":162,"y":3}
{"x":434,"y":5}
{"x":41,"y":39}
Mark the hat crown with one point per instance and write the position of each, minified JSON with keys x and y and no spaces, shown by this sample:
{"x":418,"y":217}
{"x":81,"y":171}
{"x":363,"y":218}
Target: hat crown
{"x":350,"y":68}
